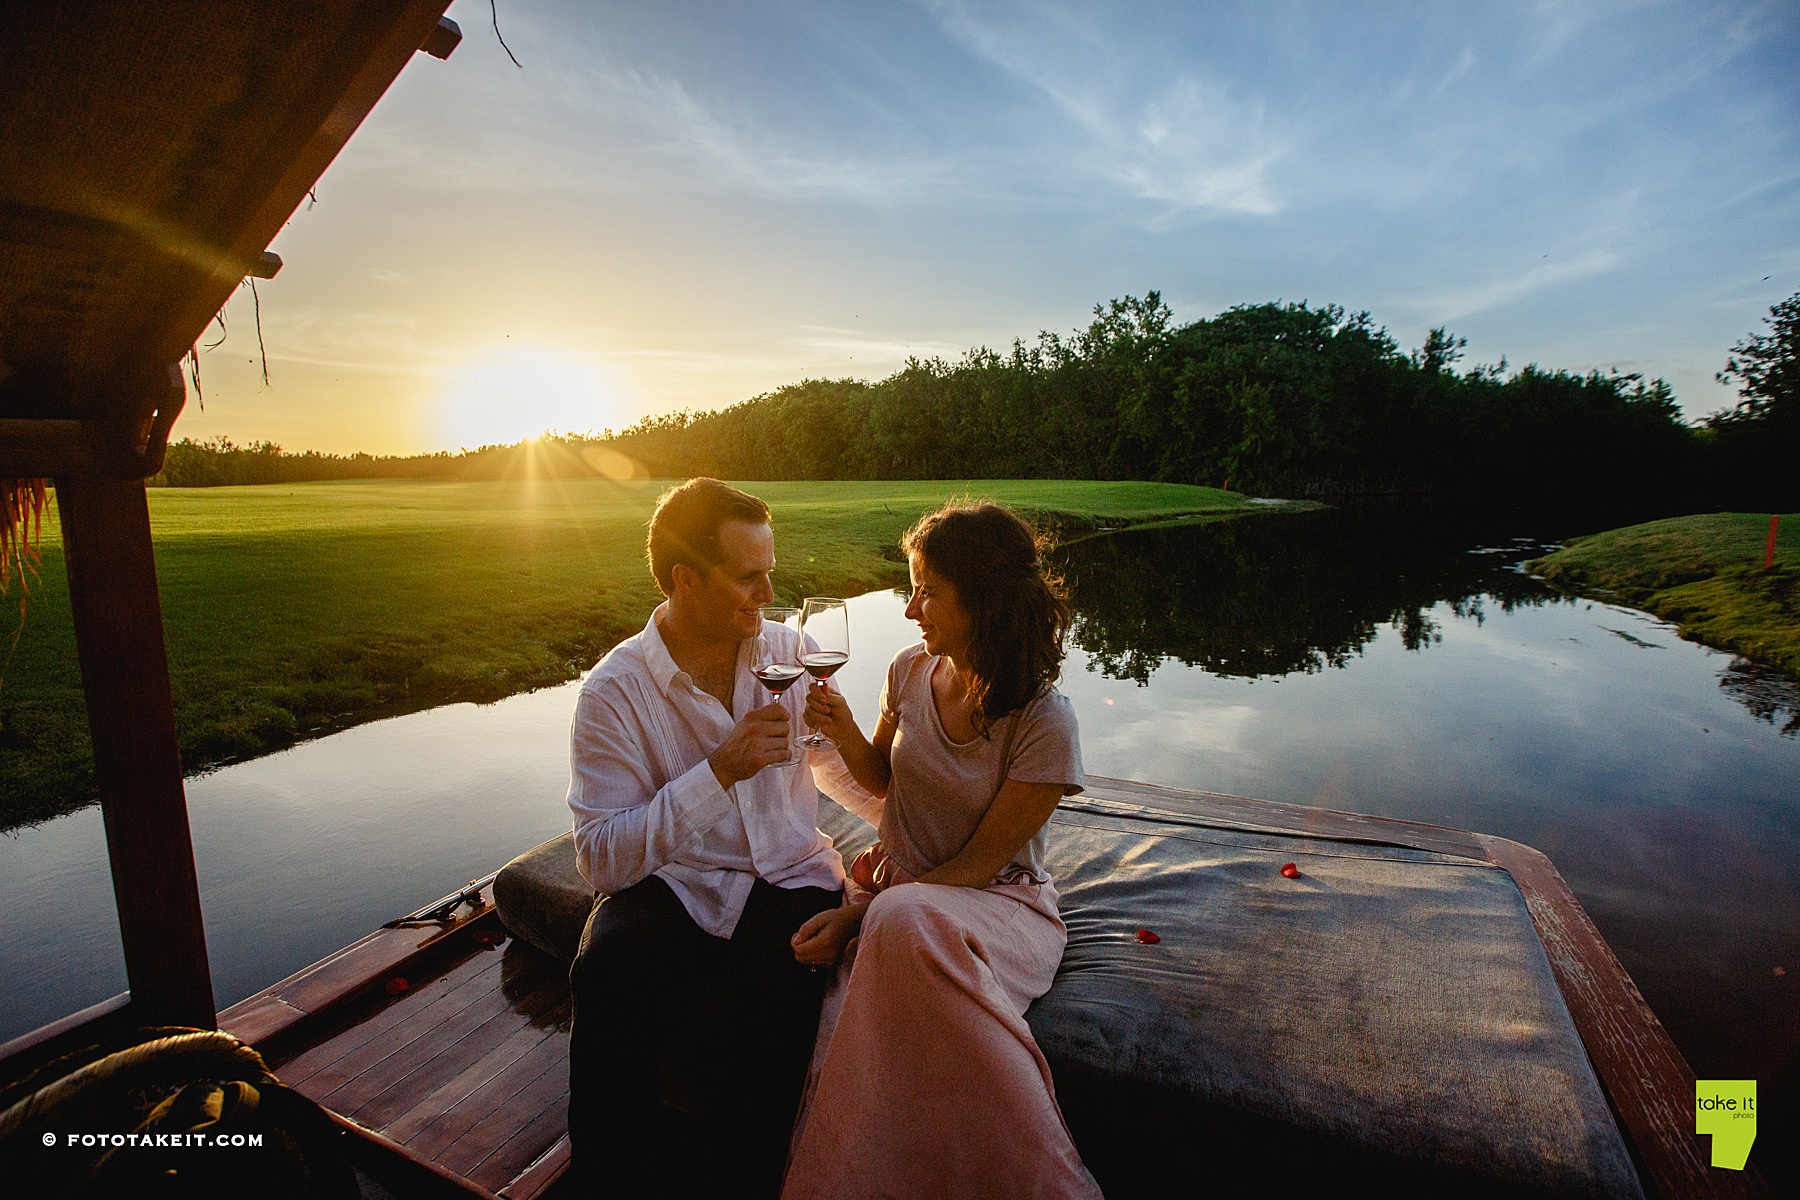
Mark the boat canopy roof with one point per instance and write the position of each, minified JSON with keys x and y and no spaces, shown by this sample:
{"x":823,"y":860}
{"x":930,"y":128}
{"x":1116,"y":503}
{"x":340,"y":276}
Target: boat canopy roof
{"x":149,"y":152}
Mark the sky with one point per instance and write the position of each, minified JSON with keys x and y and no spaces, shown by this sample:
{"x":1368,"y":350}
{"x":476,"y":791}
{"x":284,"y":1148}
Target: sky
{"x":683,"y":205}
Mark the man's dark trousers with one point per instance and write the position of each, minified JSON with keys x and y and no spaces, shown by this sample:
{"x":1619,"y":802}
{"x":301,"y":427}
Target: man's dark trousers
{"x":688,"y":1052}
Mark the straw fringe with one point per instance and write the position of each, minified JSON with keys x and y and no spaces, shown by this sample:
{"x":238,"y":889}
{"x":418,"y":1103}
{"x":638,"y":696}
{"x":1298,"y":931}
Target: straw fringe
{"x":21,"y":528}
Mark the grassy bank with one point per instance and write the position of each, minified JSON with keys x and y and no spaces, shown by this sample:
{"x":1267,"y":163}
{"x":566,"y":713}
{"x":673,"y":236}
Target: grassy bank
{"x":1703,"y":572}
{"x":293,"y":610}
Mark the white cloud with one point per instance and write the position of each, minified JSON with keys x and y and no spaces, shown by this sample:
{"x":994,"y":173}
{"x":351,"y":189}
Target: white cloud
{"x":1198,"y":148}
{"x":1188,"y":143}
{"x":1481,"y":295}
{"x":851,"y":343}
{"x":1464,"y":62}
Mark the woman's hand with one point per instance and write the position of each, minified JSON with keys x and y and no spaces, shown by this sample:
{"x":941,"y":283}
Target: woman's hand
{"x":828,"y":712}
{"x":822,"y":940}
{"x":866,"y":761}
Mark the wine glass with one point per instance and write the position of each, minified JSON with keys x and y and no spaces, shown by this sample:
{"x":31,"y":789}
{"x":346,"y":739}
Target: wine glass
{"x":824,"y":647}
{"x":772,"y":659}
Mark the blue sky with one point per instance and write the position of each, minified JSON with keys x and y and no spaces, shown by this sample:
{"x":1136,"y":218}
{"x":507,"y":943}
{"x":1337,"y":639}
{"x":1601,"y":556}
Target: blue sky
{"x":684,"y":204}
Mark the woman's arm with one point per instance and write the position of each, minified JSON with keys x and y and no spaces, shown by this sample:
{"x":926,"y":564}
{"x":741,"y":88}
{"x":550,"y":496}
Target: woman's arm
{"x":868,"y":762}
{"x":1019,"y":810}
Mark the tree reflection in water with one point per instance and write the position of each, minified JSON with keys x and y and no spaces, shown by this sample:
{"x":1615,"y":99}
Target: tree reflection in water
{"x":1766,"y":692}
{"x":1297,"y":594}
{"x":1283,"y":595}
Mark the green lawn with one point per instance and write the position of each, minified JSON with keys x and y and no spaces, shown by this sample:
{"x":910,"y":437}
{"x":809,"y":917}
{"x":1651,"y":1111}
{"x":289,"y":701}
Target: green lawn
{"x":298,"y":609}
{"x":1703,"y":572}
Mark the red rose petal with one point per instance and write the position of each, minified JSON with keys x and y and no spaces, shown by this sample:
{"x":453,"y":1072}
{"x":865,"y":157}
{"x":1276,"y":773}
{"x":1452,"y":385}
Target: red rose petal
{"x":1290,"y":870}
{"x":396,"y":985}
{"x":1147,"y":937}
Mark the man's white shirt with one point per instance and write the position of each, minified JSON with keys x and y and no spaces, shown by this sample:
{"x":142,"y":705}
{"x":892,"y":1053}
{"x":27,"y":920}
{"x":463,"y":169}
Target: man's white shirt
{"x":645,"y":801}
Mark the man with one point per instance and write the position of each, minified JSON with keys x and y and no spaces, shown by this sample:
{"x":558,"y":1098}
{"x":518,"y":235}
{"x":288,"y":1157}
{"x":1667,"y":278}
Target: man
{"x":708,"y":861}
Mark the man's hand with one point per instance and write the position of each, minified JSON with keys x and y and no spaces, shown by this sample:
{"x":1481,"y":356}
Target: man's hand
{"x":756,"y":741}
{"x":822,"y":940}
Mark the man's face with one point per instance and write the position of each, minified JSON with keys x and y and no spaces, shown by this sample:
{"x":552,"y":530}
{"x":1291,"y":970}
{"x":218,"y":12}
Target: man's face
{"x":726,"y":602}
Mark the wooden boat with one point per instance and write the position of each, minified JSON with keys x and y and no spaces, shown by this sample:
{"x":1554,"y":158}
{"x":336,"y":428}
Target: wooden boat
{"x":465,"y":1066}
{"x":439,"y":1044}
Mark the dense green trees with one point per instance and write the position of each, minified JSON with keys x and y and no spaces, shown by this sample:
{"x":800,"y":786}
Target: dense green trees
{"x":1276,"y":398}
{"x":219,"y":462}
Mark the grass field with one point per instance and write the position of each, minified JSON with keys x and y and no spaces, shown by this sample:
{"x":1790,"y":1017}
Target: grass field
{"x":1703,"y":572}
{"x":299,"y":609}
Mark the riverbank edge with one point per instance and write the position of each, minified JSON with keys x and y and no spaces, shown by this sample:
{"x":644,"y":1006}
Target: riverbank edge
{"x":1070,"y":528}
{"x":563,"y":655}
{"x":1703,"y":573}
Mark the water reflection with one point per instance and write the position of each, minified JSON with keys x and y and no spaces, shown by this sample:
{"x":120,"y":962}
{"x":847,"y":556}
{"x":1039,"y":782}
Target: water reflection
{"x":1768,"y":693}
{"x":1269,"y":598}
{"x":1256,"y":599}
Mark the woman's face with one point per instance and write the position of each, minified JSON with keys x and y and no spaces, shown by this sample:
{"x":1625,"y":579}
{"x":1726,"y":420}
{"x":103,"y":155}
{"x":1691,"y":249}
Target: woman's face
{"x":943,"y":622}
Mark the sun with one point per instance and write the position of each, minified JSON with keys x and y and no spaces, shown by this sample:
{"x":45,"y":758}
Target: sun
{"x":518,"y":393}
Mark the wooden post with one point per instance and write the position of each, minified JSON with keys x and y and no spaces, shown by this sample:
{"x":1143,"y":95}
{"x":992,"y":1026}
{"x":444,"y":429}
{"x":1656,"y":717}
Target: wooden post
{"x":131,"y":717}
{"x":1769,"y":554}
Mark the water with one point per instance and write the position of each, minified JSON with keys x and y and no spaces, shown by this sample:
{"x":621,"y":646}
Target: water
{"x":1386,"y":668}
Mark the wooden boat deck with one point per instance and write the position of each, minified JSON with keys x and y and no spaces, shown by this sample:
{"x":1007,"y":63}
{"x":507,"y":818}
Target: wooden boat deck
{"x":466,"y":1067}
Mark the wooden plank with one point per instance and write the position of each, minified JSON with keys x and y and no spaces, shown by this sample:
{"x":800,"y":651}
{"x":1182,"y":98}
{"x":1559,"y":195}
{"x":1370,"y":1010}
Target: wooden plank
{"x":385,"y":1100}
{"x":484,"y":1089}
{"x":377,"y":957}
{"x":532,"y":1101}
{"x":259,"y":1018}
{"x":38,"y":449}
{"x":400,"y":1172}
{"x":60,"y":1033}
{"x":137,"y":770}
{"x":518,"y":1153}
{"x":1647,"y":1079}
{"x":423,"y":1056}
{"x":108,"y":1021}
{"x":326,"y":986}
{"x":452,"y":1108}
{"x":367,"y":1045}
{"x":543,"y":1173}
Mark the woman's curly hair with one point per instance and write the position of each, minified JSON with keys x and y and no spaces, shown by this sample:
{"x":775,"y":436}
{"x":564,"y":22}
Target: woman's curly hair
{"x":995,"y":561}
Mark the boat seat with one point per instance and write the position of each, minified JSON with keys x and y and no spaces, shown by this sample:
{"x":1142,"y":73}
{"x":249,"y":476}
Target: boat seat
{"x":1386,"y":1015}
{"x":542,"y":898}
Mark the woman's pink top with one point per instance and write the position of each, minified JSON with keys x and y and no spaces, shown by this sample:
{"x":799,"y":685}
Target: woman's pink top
{"x":940,"y":789}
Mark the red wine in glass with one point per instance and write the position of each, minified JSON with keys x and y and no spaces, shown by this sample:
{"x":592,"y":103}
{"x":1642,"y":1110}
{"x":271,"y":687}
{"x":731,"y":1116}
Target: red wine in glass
{"x":824,"y":647}
{"x":823,"y":664}
{"x":773,"y":661}
{"x":778,"y":677}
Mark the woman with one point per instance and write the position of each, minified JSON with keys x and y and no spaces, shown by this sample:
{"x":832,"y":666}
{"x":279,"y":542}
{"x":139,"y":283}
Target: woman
{"x":931,"y":1083}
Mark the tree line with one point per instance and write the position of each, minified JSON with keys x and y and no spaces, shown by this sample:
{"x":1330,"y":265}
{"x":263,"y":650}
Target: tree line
{"x":1276,"y":398}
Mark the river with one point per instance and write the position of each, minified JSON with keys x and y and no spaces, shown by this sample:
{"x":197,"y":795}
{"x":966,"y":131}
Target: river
{"x":1383,"y":666}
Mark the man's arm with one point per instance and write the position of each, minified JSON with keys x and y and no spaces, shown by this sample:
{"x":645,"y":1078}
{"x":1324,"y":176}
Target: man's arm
{"x":626,"y":827}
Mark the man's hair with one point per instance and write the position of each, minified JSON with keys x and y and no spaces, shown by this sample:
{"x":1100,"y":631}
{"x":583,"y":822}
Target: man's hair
{"x":685,"y":527}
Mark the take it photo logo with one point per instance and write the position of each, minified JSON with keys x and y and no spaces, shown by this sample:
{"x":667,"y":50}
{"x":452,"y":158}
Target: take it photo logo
{"x":1726,"y":1109}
